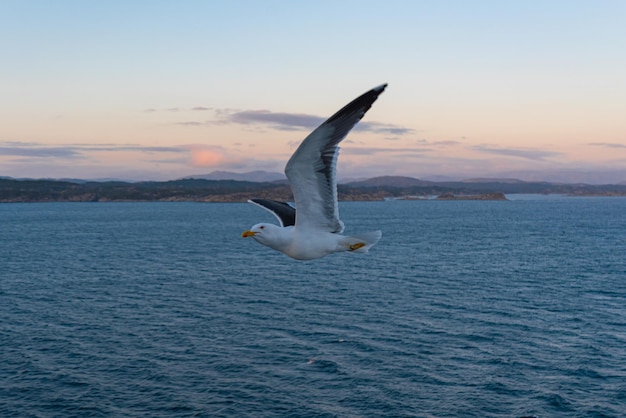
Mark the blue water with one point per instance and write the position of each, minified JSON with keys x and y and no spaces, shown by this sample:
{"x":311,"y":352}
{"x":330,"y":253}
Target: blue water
{"x":472,"y":309}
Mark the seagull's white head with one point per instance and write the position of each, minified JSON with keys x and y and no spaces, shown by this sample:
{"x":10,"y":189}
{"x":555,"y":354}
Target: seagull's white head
{"x":267,"y":234}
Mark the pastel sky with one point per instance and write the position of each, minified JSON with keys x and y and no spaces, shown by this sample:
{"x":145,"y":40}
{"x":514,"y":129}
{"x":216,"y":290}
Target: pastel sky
{"x":164,"y":89}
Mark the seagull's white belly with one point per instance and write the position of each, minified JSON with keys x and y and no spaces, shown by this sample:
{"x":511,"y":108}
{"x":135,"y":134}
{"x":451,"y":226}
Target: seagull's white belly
{"x":312,"y":245}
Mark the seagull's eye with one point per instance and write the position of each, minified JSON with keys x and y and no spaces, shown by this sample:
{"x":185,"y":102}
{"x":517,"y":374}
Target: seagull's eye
{"x":262,"y":227}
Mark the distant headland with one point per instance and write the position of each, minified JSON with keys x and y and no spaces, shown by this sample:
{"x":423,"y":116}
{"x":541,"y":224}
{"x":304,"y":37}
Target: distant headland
{"x":480,"y":196}
{"x":225,"y":190}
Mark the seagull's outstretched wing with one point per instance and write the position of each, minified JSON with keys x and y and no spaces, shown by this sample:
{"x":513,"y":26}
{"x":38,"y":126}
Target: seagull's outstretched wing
{"x":285,"y":213}
{"x":311,"y":169}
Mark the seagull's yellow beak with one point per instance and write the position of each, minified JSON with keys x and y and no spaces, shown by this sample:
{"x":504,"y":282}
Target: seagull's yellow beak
{"x":247,"y":234}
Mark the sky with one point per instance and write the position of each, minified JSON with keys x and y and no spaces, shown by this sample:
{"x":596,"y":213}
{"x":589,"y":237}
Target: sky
{"x":159,"y":90}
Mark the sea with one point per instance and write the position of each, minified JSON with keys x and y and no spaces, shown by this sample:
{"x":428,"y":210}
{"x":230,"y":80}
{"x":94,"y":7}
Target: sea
{"x":464,"y":309}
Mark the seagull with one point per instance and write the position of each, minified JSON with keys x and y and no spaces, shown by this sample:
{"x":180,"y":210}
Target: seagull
{"x":313,"y":229}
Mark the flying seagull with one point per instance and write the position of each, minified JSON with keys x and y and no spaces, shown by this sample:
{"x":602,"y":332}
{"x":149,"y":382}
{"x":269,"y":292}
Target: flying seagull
{"x":313,"y":229}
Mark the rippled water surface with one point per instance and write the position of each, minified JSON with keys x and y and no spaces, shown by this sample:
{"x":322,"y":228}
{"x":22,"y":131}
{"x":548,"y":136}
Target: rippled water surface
{"x":466,"y":309}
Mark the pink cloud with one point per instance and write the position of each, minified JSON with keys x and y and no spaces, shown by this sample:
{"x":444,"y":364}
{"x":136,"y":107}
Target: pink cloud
{"x":205,"y":157}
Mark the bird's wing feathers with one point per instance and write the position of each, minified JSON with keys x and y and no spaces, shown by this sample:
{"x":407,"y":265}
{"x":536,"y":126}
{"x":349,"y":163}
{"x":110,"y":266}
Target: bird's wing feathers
{"x":285,"y":213}
{"x":311,"y":169}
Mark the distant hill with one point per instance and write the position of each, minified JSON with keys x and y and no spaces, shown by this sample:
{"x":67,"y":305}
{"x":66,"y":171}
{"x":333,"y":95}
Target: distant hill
{"x":393,"y":181}
{"x":568,"y":176}
{"x":176,"y":190}
{"x":258,"y":176}
{"x":200,"y":190}
{"x":493,"y":180}
{"x":409,"y":186}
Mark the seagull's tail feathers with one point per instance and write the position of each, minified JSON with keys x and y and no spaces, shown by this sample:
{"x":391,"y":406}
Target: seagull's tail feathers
{"x":360,"y":243}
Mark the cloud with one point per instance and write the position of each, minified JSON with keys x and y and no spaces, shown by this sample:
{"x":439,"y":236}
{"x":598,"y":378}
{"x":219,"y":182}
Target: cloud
{"x":201,"y":157}
{"x":300,"y":121}
{"x":72,"y":151}
{"x":28,"y":159}
{"x":192,"y":123}
{"x":608,"y":144}
{"x":376,"y":151}
{"x":210,"y":156}
{"x":449,"y":143}
{"x":30,"y":150}
{"x":529,"y":154}
{"x":282,"y":121}
{"x":178,"y":109}
{"x":383,"y":128}
{"x":445,"y":143}
{"x":129,"y":148}
{"x":141,"y":148}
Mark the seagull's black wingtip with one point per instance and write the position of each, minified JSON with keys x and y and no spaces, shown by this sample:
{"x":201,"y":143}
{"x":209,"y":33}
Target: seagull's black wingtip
{"x":358,"y":107}
{"x":380,"y":88}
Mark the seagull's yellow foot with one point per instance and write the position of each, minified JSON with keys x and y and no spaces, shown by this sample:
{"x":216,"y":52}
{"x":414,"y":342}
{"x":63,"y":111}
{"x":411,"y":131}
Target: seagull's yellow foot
{"x":354,"y":247}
